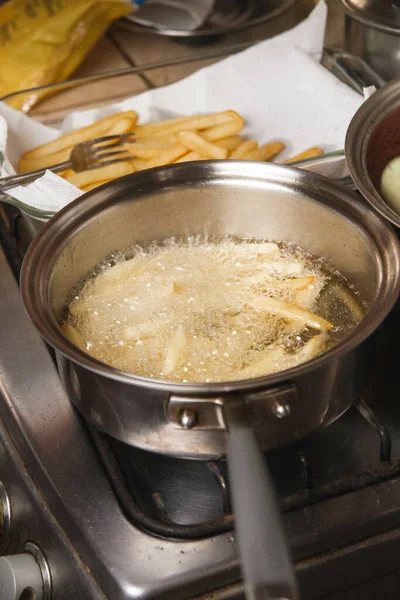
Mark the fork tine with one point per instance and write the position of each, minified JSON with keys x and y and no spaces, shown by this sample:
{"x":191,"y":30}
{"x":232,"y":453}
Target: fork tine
{"x":101,"y":151}
{"x":100,"y":147}
{"x":101,"y":155}
{"x":130,"y":137}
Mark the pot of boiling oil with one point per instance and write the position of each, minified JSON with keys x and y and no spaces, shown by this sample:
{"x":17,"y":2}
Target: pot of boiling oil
{"x":247,"y":201}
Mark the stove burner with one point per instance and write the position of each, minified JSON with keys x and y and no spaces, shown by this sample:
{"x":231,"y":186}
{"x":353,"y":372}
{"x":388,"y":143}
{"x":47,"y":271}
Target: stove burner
{"x":156,"y":525}
{"x":155,"y":490}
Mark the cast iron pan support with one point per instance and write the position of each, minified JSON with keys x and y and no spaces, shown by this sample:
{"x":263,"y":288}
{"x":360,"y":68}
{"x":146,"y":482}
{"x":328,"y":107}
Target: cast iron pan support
{"x":266,"y":564}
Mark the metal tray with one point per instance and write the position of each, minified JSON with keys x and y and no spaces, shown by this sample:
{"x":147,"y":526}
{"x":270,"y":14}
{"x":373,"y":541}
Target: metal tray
{"x":228,"y":16}
{"x":350,"y":69}
{"x":332,"y":165}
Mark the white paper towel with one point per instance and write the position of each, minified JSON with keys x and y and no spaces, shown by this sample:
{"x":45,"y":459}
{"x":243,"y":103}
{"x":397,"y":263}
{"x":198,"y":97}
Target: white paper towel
{"x":278,"y":86}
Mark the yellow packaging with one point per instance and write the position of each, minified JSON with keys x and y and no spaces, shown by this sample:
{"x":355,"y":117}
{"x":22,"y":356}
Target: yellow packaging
{"x":44,"y":41}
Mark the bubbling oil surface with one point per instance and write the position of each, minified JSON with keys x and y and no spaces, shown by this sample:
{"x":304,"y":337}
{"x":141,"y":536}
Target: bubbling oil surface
{"x":192,"y":310}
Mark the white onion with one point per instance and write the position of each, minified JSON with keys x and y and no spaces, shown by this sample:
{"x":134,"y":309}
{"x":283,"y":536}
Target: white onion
{"x":390,"y":184}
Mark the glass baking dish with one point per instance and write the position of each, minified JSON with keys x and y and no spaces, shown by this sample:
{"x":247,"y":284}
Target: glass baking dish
{"x":95,"y":91}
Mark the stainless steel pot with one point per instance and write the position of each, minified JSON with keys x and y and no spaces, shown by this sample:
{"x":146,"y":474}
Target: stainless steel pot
{"x":212,"y":420}
{"x":372,"y":32}
{"x":243,"y":199}
{"x":372,"y":140}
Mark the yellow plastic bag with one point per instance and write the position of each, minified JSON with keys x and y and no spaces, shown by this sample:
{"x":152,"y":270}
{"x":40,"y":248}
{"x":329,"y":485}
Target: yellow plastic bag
{"x":44,"y":41}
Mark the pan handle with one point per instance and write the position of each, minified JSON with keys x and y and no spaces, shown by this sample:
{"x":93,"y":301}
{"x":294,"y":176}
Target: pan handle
{"x":266,"y":563}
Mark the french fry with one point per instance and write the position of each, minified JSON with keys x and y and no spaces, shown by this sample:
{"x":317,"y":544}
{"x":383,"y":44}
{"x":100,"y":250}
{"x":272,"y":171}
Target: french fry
{"x":105,"y":282}
{"x":296,"y":284}
{"x":290,"y":311}
{"x":299,"y":283}
{"x":234,"y":115}
{"x":32,"y":164}
{"x":139,"y":164}
{"x":274,"y":356}
{"x":310,"y":153}
{"x":244,"y":147}
{"x":264,"y":249}
{"x":86,"y":178}
{"x":289,"y":267}
{"x":311,"y":348}
{"x":198,"y":144}
{"x":200,"y":123}
{"x":66,"y":173}
{"x":92,"y":186}
{"x":146,"y":151}
{"x":190,"y":156}
{"x":230,"y":143}
{"x":169,"y":140}
{"x":264,"y":152}
{"x":157,"y":128}
{"x":95,"y":130}
{"x":175,"y":351}
{"x":168,"y":157}
{"x":141,"y":331}
{"x":307,"y":297}
{"x":220,"y":132}
{"x":123,"y":126}
{"x":234,"y":124}
{"x":266,"y":365}
{"x":267,"y":249}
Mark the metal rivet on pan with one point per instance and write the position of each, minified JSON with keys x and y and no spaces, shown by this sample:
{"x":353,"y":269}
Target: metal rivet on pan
{"x":187,"y":418}
{"x":281,"y":409}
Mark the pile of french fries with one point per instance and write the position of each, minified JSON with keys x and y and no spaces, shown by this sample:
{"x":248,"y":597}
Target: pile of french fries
{"x":182,"y":139}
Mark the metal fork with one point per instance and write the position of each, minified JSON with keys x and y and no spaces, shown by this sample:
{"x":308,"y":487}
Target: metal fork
{"x":87,"y":155}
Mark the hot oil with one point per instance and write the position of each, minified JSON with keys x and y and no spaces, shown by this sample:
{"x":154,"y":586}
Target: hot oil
{"x":183,"y":309}
{"x":340,"y":304}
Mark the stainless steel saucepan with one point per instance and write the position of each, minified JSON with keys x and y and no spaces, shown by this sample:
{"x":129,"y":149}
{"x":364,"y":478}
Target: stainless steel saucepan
{"x":372,"y":140}
{"x":212,"y":420}
{"x":372,"y":32}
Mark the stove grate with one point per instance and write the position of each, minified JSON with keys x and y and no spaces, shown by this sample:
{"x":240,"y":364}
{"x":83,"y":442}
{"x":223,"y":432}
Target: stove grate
{"x":148,"y":522}
{"x":162,"y":526}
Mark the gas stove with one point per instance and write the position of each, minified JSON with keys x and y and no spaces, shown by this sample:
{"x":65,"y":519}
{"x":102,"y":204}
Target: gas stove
{"x":85,"y":516}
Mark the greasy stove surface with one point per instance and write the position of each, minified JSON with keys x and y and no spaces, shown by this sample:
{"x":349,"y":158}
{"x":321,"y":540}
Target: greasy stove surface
{"x":336,"y":529}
